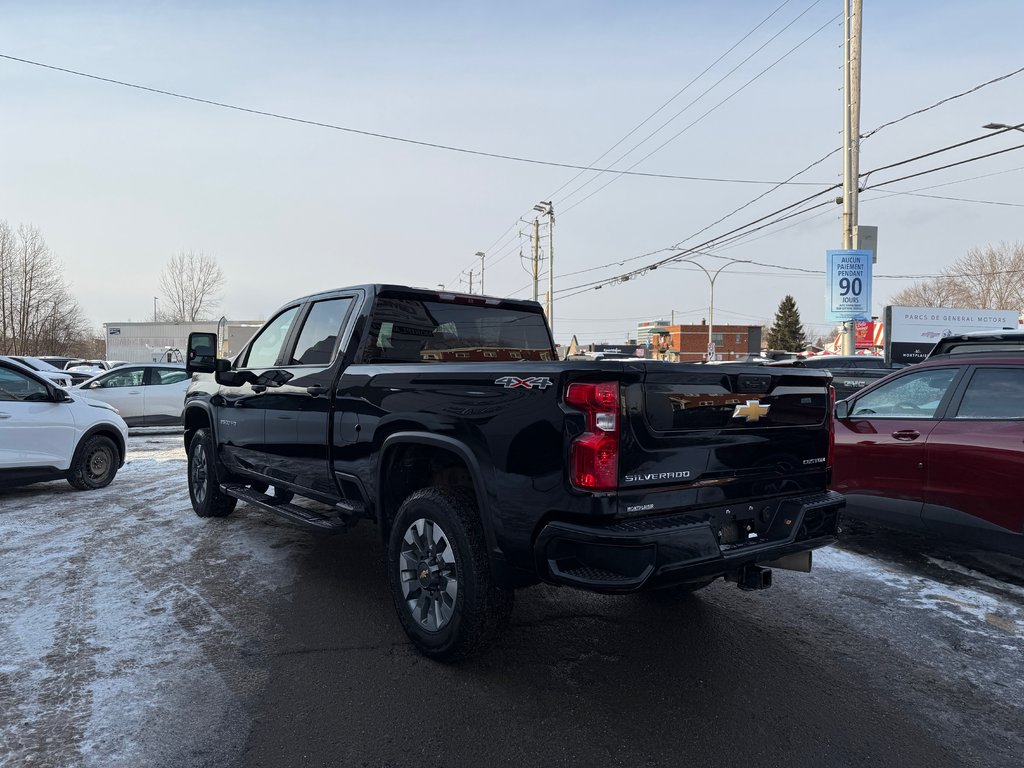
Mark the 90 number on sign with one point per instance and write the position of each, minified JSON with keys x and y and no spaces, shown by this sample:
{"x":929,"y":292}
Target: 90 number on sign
{"x":848,"y":287}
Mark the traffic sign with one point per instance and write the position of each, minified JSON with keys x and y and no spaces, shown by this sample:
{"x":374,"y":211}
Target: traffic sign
{"x":848,"y":285}
{"x":711,"y":350}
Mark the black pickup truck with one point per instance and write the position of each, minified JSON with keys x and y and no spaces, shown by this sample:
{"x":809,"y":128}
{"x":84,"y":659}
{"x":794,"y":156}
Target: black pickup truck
{"x":489,"y":465}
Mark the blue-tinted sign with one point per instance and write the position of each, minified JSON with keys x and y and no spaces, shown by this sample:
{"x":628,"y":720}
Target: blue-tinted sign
{"x":848,"y":285}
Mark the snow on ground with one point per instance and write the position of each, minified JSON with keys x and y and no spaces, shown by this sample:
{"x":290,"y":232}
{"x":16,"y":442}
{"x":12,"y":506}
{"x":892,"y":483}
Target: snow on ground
{"x":130,"y":630}
{"x":134,"y":633}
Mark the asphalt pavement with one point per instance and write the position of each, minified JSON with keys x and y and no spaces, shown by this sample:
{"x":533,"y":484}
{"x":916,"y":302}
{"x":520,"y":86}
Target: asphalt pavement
{"x":133,"y":633}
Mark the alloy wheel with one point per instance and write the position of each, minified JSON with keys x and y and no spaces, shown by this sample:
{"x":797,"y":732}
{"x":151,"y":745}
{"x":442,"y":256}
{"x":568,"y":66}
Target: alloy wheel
{"x":428,"y":574}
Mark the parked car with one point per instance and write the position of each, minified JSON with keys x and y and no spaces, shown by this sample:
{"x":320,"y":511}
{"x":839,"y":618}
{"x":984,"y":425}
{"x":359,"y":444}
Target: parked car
{"x":979,"y":341}
{"x":145,"y":394}
{"x":103,"y":365}
{"x":850,"y":373}
{"x":44,"y":369}
{"x":939,"y":447}
{"x":50,"y":433}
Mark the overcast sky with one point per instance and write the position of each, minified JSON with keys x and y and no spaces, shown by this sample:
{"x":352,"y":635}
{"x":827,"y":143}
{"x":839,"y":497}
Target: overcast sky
{"x":119,"y":179}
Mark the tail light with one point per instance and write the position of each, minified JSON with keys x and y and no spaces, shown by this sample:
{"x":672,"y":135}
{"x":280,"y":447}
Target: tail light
{"x":594,"y":462}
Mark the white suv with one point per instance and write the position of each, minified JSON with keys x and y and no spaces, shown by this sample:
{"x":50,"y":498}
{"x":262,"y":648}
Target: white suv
{"x":47,"y":433}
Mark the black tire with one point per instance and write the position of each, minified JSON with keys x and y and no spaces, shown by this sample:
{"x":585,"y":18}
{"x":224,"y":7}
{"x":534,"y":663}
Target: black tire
{"x":479,"y":610}
{"x":283,"y":494}
{"x":258,"y":486}
{"x":203,"y":487}
{"x":95,"y":463}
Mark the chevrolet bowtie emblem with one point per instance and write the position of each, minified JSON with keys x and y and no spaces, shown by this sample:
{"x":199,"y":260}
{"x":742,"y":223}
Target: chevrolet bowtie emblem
{"x":752,"y":411}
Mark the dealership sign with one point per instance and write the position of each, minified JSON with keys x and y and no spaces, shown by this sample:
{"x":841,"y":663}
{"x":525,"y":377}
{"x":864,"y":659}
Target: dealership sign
{"x":848,"y":285}
{"x":911,"y":332}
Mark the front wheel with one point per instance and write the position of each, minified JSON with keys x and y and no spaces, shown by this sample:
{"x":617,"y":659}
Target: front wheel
{"x":94,"y":464}
{"x":440,"y":575}
{"x":203,"y":488}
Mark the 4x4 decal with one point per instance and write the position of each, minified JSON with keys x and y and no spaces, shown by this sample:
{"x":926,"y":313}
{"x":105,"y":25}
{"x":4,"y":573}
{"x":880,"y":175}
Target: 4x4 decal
{"x":514,"y":382}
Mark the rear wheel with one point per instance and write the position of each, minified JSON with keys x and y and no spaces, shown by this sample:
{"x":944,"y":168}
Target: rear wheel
{"x":203,"y":487}
{"x":94,"y":464}
{"x":440,"y":575}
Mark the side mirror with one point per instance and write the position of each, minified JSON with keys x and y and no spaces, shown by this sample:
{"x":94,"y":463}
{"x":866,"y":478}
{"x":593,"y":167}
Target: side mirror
{"x":842,"y":410}
{"x":202,"y":353}
{"x":60,"y":396}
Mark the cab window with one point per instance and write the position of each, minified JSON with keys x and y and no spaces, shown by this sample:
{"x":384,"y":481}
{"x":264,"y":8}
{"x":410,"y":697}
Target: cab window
{"x":266,"y":347}
{"x":914,"y":396}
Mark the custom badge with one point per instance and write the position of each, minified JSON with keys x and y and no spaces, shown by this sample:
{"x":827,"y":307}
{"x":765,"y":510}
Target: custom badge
{"x":514,"y":382}
{"x":752,"y":411}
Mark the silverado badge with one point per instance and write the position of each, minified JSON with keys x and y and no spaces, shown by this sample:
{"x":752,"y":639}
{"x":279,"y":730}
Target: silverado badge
{"x":752,"y":411}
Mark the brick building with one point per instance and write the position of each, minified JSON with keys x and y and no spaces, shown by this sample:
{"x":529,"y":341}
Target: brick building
{"x":690,"y":342}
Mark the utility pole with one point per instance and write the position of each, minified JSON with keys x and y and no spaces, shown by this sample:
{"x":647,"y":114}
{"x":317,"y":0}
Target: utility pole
{"x":536,"y":255}
{"x":471,"y":281}
{"x":154,"y":308}
{"x":481,"y":256}
{"x":851,"y":144}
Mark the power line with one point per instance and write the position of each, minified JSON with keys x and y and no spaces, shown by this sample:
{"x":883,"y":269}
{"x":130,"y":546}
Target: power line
{"x":384,"y":136}
{"x":941,"y":102}
{"x":719,"y":104}
{"x":704,"y":93}
{"x":675,"y":96}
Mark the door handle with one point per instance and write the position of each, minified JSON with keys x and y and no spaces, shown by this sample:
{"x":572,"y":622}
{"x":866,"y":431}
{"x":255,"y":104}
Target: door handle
{"x":316,"y":390}
{"x":906,"y":435}
{"x":5,"y":415}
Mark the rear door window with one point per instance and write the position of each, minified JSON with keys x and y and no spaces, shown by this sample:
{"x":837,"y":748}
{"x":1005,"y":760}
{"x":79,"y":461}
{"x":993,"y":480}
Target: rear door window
{"x":993,"y":393}
{"x":319,"y":337}
{"x":917,"y":395}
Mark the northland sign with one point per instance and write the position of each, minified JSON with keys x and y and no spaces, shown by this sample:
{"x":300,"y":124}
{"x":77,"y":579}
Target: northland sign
{"x":911,"y":332}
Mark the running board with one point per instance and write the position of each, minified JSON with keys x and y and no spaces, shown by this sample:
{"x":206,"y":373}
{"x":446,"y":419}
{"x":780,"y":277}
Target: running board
{"x":306,"y":518}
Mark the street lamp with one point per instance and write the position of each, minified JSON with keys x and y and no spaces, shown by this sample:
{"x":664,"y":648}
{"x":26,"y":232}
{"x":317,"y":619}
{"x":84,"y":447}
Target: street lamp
{"x":712,"y":276}
{"x":546,"y":208}
{"x":1002,"y":126}
{"x":481,"y":255}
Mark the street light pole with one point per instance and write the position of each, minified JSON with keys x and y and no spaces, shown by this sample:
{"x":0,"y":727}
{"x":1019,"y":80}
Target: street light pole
{"x":480,"y":255}
{"x":712,"y":276}
{"x":545,"y":207}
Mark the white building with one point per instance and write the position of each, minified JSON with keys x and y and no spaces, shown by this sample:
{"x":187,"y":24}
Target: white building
{"x":643,"y":331}
{"x":154,"y":342}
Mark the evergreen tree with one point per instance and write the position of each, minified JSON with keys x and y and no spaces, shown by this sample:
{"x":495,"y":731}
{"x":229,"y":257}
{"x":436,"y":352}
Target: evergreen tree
{"x":787,"y":332}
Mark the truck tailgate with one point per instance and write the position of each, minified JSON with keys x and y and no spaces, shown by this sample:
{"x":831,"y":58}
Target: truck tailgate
{"x":697,"y":435}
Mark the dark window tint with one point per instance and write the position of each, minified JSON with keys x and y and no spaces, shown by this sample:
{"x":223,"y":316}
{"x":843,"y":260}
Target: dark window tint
{"x":266,"y":347}
{"x":994,"y":393}
{"x":18,"y":386}
{"x":414,"y":331}
{"x":914,"y":396}
{"x":320,"y":332}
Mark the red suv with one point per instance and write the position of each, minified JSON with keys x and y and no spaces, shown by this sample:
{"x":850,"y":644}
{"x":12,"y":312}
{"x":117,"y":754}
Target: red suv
{"x":939,"y":447}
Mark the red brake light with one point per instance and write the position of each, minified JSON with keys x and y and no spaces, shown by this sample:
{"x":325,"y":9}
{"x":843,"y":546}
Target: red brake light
{"x":595,"y":453}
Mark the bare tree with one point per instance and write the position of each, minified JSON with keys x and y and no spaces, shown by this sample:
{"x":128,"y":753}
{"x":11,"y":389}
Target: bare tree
{"x":984,"y":278}
{"x":38,"y":314}
{"x":190,"y":284}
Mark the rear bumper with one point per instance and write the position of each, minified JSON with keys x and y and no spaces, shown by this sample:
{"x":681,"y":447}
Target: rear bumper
{"x":653,"y":552}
